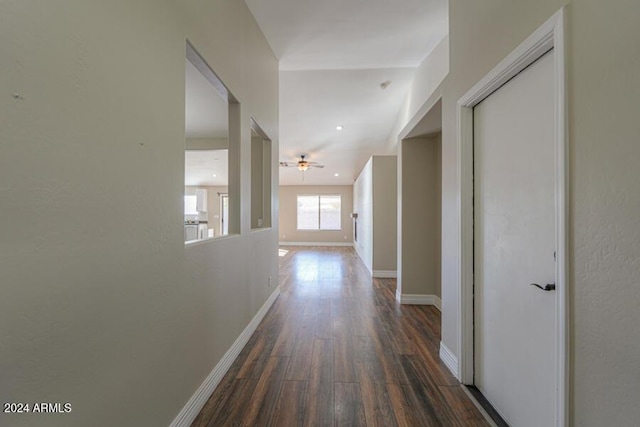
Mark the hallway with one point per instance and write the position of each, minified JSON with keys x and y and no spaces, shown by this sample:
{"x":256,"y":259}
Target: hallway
{"x":336,"y":349}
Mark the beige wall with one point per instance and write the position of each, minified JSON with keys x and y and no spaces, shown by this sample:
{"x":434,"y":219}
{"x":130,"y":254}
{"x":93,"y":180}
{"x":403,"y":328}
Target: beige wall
{"x":419,"y":207}
{"x":385,"y":213}
{"x":102,"y":305}
{"x":257,"y":180}
{"x":288,"y":214}
{"x":206,"y":143}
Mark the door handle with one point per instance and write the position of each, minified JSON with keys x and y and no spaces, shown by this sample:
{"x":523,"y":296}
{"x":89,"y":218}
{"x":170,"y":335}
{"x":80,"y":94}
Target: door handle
{"x":548,"y":287}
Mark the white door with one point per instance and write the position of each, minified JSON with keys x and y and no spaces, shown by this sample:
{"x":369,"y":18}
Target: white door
{"x":514,"y":246}
{"x":224,"y":218}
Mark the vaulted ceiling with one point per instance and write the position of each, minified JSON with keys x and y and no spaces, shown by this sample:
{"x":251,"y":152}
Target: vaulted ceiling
{"x":334,"y":56}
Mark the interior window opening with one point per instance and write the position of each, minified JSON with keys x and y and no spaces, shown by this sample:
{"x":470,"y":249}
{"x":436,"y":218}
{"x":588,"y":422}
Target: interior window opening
{"x":209,"y":146}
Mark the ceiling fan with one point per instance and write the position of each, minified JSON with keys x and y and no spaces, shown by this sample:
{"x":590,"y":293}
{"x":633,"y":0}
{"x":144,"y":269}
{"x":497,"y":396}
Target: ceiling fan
{"x":302,"y":164}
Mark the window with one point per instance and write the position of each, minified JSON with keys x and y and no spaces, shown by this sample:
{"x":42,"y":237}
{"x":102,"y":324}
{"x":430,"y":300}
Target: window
{"x":319,"y":212}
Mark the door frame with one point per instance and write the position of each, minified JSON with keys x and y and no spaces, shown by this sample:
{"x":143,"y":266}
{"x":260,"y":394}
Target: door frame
{"x":551,"y":35}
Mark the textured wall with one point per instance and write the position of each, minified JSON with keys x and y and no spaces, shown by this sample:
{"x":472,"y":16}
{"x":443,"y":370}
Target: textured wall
{"x":603,"y":67}
{"x":102,"y":305}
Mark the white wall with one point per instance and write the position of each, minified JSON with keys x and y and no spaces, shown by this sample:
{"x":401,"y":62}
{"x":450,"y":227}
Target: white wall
{"x":363,"y":206}
{"x":102,"y":305}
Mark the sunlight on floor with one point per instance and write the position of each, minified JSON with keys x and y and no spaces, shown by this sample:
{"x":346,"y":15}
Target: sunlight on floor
{"x":282,"y":252}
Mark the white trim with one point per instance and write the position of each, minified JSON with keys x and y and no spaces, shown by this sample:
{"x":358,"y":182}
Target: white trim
{"x":549,"y":35}
{"x":449,"y":359}
{"x":361,"y":256}
{"x":191,"y":410}
{"x":315,"y":244}
{"x":385,"y":274}
{"x":420,"y":299}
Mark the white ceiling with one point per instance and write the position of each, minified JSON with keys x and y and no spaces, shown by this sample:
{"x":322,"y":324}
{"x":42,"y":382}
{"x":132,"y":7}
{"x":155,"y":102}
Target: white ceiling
{"x":200,"y":166}
{"x":334,"y":54}
{"x":313,"y":103}
{"x":351,"y":34}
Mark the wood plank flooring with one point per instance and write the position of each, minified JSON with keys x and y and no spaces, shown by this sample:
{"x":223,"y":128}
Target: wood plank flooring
{"x":336,"y":349}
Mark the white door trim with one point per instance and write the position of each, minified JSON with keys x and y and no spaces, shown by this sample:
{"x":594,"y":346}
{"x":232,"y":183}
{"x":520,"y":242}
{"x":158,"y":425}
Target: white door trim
{"x":549,"y":36}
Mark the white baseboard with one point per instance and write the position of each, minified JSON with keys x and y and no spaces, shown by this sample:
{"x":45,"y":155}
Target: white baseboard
{"x":191,"y":410}
{"x":362,"y":259}
{"x":415,"y":299}
{"x":385,"y":274}
{"x":315,"y":244}
{"x":449,"y":359}
{"x":437,"y":302}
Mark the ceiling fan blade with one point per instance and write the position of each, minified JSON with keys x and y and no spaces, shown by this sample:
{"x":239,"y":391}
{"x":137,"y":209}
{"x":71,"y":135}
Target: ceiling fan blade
{"x":288,"y":165}
{"x":316,"y":166}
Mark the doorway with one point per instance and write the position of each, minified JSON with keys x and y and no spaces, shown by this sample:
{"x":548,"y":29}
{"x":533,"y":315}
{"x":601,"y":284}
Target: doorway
{"x":512,"y":340}
{"x":419,"y":184}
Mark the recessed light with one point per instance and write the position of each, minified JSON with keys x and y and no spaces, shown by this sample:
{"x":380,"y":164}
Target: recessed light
{"x":339,"y":127}
{"x":336,"y":174}
{"x":214,"y":175}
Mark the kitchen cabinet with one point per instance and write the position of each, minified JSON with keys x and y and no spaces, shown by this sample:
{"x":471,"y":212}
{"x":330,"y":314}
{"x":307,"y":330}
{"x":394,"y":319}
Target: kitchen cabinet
{"x":201,"y":200}
{"x":190,"y":232}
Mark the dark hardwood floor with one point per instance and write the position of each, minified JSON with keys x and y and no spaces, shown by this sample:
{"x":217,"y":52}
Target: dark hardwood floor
{"x":336,"y":349}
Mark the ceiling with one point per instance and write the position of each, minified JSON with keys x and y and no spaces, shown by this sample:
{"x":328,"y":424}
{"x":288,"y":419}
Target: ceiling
{"x":206,"y":167}
{"x":353,"y":34}
{"x":334,"y":55}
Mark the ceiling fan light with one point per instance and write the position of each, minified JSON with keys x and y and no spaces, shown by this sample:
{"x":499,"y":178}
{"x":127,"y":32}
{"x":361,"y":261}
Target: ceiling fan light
{"x":303,"y":166}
